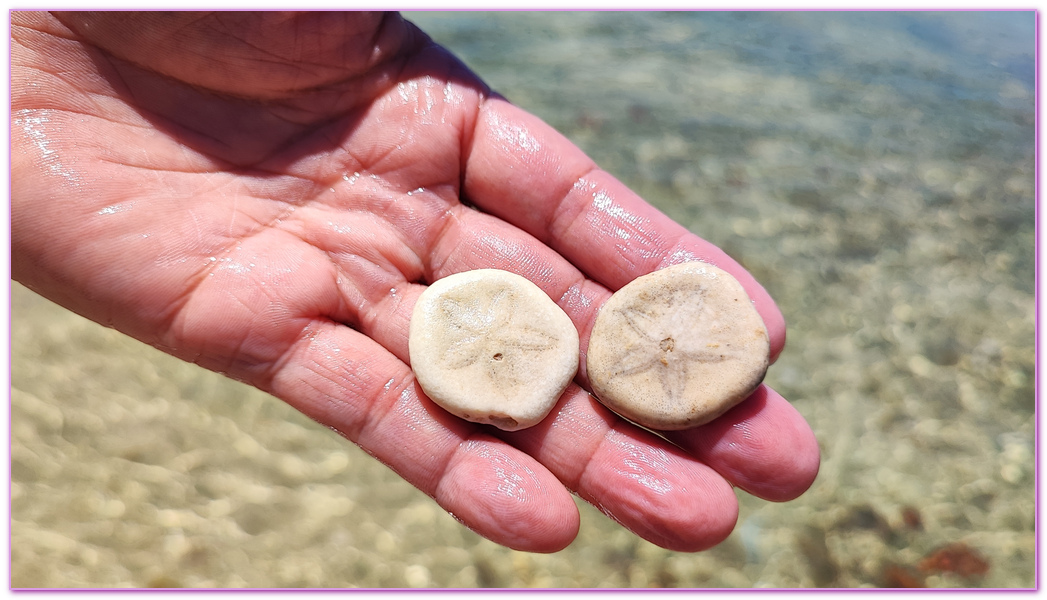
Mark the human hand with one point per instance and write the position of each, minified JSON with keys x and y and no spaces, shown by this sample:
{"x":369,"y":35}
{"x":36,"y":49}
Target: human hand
{"x":266,"y":195}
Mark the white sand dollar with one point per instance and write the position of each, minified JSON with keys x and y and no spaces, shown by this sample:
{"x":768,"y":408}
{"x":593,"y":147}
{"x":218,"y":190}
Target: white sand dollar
{"x":491,"y":347}
{"x":677,"y":348}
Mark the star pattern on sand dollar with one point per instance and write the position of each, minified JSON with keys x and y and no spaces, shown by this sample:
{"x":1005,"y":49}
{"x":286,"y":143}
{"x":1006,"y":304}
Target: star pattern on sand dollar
{"x":486,"y":332}
{"x":671,"y":338}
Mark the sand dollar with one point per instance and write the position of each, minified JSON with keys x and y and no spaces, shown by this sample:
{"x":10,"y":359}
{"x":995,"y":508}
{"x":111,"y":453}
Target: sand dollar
{"x":678,"y":347}
{"x":491,"y":347}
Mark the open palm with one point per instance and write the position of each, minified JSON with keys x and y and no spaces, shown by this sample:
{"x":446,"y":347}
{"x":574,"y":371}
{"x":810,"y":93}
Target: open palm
{"x":267,"y":194}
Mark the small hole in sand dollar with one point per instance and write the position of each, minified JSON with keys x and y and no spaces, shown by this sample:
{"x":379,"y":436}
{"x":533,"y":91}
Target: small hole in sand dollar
{"x":497,"y":356}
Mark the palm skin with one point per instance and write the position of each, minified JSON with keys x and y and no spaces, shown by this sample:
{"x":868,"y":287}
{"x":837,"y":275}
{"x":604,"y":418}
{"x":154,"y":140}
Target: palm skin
{"x":267,"y":194}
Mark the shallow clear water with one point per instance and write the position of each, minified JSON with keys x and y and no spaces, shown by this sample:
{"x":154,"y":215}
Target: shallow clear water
{"x":873,"y":170}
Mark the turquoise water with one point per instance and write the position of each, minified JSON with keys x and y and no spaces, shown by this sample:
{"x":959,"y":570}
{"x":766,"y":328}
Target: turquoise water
{"x":875,"y":171}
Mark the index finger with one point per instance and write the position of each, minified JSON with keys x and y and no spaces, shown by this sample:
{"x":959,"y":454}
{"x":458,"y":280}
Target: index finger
{"x":523,"y":171}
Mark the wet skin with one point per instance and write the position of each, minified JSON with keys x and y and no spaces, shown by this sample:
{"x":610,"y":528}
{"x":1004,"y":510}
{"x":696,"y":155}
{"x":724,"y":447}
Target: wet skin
{"x":267,"y":194}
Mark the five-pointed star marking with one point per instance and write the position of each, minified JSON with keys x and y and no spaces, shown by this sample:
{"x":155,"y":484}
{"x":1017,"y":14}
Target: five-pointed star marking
{"x":671,"y":340}
{"x":486,"y":332}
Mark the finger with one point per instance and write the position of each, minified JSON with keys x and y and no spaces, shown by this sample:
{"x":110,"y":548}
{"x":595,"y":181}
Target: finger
{"x":346,"y":381}
{"x":763,"y":446}
{"x":521,"y":170}
{"x":639,"y":480}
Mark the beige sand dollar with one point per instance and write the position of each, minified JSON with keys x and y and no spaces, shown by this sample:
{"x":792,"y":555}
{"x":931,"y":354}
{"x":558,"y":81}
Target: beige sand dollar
{"x":678,"y":347}
{"x":491,"y":347}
